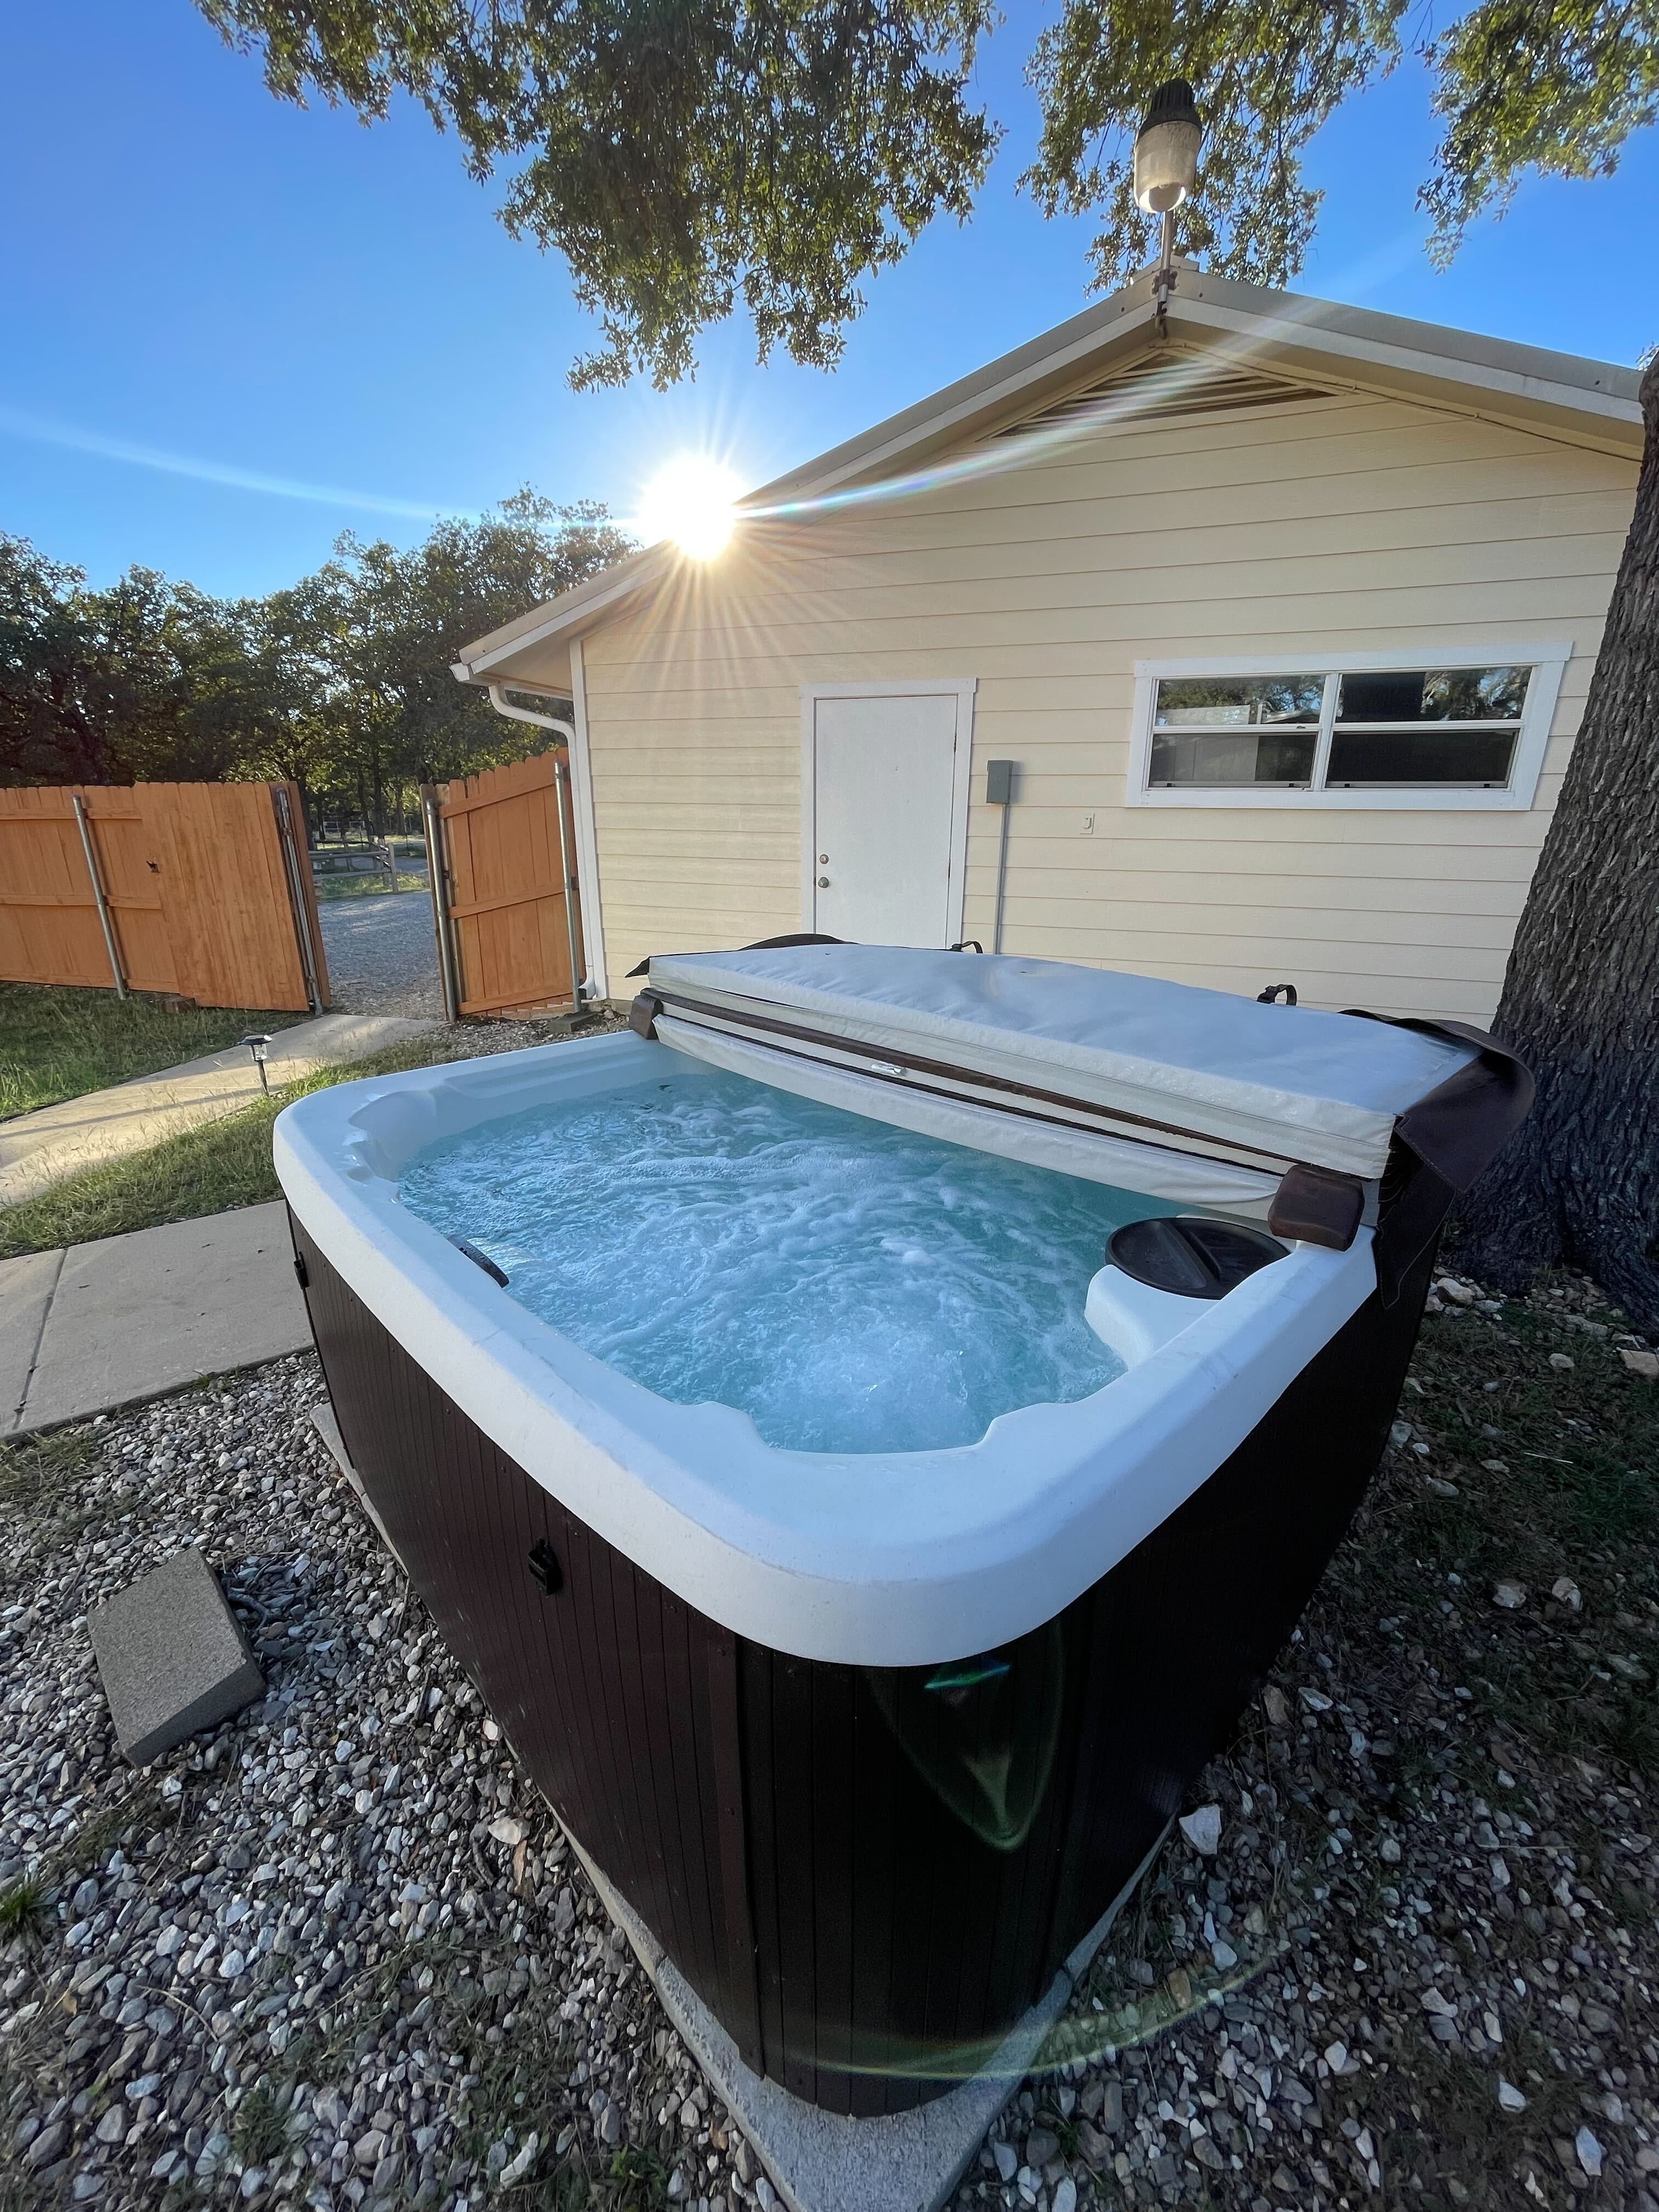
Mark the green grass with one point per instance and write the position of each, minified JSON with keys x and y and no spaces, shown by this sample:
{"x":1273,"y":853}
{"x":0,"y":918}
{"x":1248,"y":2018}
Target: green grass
{"x":260,"y":2130}
{"x":204,"y":1170}
{"x":57,"y":1042}
{"x":365,"y":886}
{"x":21,"y":1905}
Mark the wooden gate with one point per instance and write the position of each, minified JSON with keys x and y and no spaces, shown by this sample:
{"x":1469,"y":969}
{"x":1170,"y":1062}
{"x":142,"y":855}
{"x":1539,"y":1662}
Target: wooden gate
{"x":203,"y":888}
{"x":504,"y":891}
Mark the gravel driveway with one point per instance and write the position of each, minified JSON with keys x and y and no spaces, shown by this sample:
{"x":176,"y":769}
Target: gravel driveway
{"x":381,"y":955}
{"x":1403,"y":1950}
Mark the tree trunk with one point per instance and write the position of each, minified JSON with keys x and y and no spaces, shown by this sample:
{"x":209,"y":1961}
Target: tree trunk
{"x":1580,"y":1183}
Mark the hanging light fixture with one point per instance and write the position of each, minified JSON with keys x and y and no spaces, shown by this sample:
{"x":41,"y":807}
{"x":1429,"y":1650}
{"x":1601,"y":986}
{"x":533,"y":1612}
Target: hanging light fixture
{"x":1166,"y":170}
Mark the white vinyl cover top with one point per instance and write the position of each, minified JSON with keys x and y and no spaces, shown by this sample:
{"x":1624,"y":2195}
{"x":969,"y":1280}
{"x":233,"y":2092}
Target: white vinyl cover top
{"x":1291,"y":1082}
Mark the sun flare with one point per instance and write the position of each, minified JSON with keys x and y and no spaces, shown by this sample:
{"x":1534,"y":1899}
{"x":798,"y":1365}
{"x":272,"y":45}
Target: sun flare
{"x":690,"y":500}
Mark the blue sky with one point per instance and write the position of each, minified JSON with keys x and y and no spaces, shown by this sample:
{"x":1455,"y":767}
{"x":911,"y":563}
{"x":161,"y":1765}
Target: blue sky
{"x":194,"y":270}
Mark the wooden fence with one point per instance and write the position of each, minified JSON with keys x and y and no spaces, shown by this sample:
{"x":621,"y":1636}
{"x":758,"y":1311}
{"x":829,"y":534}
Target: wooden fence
{"x":202,"y":888}
{"x":504,"y":888}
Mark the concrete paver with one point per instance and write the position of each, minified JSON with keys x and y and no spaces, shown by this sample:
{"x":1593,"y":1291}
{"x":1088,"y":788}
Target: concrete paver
{"x":26,"y":1289}
{"x":39,"y":1149}
{"x":131,"y":1317}
{"x":171,"y":1656}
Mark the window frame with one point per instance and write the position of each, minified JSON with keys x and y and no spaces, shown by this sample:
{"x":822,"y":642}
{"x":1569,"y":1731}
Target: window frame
{"x":1547,"y":660}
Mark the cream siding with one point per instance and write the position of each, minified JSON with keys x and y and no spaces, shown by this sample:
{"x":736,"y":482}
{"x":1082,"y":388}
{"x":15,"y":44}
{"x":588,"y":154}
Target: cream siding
{"x":1346,"y":524}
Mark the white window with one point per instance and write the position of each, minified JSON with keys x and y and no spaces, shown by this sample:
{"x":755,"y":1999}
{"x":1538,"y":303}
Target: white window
{"x":1467,"y":728}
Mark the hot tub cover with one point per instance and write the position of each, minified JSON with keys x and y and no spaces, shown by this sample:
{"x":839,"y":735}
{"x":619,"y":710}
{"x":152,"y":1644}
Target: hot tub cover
{"x":1290,"y":1083}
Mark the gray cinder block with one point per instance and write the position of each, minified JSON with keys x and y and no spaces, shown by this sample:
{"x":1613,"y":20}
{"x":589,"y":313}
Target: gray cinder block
{"x":171,"y":1657}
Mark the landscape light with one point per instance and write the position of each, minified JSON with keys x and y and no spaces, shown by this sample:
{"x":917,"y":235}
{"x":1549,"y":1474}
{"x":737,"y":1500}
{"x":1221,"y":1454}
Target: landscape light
{"x":258,"y":1044}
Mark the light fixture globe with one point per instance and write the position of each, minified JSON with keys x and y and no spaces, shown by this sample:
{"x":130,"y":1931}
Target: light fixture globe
{"x":1166,"y":150}
{"x":691,"y":502}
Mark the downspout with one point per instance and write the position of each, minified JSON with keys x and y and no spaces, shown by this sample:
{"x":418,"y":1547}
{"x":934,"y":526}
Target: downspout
{"x":580,"y":985}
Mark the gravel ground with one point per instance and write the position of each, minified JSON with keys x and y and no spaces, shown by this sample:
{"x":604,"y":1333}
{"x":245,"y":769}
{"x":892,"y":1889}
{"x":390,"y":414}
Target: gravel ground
{"x":1403,"y":1951}
{"x":337,"y":1951}
{"x":382,"y":959}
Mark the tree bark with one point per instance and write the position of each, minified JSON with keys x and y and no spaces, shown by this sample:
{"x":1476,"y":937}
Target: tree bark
{"x":1580,"y":1182}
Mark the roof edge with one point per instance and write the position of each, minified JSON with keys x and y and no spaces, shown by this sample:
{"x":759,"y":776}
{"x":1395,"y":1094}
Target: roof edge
{"x":597,"y":595}
{"x":1534,"y":381}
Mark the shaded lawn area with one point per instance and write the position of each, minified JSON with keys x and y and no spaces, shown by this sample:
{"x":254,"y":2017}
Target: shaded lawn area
{"x":219,"y":1164}
{"x":60,"y":1042}
{"x":204,"y":1170}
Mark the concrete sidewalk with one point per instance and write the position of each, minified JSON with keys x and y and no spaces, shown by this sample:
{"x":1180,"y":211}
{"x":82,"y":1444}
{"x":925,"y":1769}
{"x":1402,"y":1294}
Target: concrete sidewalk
{"x":39,"y":1149}
{"x":105,"y":1324}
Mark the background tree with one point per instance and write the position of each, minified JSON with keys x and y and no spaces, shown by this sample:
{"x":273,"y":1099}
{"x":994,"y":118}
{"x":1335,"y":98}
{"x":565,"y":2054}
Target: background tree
{"x":143,"y":679}
{"x":687,"y":157}
{"x":385,"y":625}
{"x":52,"y":727}
{"x":679,"y":153}
{"x":341,"y":681}
{"x":1549,"y":87}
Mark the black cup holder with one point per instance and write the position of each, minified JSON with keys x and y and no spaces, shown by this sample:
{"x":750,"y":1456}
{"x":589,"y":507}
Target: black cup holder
{"x":1190,"y":1254}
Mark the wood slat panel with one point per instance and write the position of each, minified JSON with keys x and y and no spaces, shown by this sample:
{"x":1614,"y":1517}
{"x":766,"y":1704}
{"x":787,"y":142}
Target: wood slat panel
{"x":49,"y":930}
{"x":196,"y":890}
{"x":506,"y":887}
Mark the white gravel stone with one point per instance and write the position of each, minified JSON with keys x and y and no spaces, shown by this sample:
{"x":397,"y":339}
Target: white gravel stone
{"x":1202,"y":1829}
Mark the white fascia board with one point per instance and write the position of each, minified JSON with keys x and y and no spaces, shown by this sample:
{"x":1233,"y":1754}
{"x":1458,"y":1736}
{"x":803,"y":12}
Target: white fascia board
{"x":1258,"y":333}
{"x":1294,"y":320}
{"x":988,"y":399}
{"x":558,"y":615}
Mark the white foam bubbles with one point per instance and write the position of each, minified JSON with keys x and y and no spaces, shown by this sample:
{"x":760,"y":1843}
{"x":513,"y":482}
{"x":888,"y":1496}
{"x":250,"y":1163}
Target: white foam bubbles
{"x":851,"y":1287}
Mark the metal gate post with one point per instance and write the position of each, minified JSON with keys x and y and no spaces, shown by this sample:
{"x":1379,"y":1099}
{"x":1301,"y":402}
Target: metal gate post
{"x":98,"y":899}
{"x":438,"y":879}
{"x":560,"y":792}
{"x":296,"y":896}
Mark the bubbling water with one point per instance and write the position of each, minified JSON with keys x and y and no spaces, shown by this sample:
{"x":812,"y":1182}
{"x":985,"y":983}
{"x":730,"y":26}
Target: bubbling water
{"x":852,"y":1287}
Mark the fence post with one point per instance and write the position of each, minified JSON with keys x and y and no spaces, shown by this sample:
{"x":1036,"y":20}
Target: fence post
{"x":561,"y":792}
{"x":98,"y":899}
{"x":296,"y":894}
{"x":438,"y":882}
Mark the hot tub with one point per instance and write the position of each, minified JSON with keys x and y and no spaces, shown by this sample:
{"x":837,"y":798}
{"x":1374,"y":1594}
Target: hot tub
{"x":868,"y":1735}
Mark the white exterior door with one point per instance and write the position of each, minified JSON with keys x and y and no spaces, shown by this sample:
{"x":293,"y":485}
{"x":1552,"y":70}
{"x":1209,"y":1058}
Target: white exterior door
{"x":885,"y":798}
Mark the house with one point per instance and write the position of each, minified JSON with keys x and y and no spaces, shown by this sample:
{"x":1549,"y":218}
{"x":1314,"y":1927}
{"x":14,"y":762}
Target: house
{"x":1270,"y":628}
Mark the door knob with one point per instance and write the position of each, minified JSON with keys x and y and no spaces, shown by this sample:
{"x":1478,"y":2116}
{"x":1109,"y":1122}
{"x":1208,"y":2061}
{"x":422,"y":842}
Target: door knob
{"x":824,"y":883}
